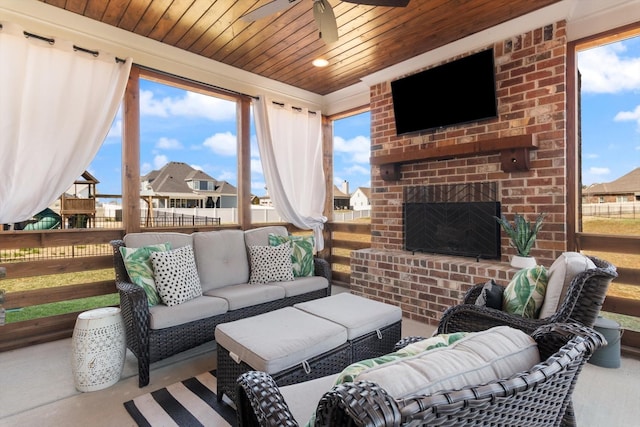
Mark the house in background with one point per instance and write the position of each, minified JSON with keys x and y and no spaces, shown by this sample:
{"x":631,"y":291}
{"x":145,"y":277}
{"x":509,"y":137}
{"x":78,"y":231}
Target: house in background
{"x":361,"y":199}
{"x":341,"y":198}
{"x":624,"y":189}
{"x":178,"y":185}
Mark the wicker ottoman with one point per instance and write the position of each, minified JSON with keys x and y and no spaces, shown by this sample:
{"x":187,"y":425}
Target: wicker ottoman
{"x":289,"y":344}
{"x":373,"y":328}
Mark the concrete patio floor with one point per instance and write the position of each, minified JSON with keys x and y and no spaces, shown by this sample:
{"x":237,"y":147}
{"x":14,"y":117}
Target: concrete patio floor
{"x":36,"y":387}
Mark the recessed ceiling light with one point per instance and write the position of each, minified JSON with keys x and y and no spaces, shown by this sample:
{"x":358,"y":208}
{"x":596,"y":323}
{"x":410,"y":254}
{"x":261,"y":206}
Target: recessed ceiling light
{"x":320,"y":62}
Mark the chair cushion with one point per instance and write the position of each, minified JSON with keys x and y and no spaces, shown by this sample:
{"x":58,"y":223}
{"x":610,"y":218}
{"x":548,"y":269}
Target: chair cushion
{"x":490,"y":296}
{"x":176,"y":275}
{"x":301,"y":252}
{"x":351,"y":372}
{"x":221,"y":258}
{"x":270,"y":263}
{"x":478,"y":358}
{"x":137,"y":262}
{"x":525,"y":293}
{"x":561,"y":273}
{"x":302,"y":398}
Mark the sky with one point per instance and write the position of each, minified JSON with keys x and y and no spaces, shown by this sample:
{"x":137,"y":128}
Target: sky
{"x":610,"y":110}
{"x":200,"y":130}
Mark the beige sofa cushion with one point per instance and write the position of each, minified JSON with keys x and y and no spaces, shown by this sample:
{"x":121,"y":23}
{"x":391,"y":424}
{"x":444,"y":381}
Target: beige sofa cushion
{"x":177,"y":240}
{"x":260,"y":236}
{"x":478,"y":358}
{"x":198,"y":308}
{"x":221,"y":258}
{"x":302,"y":285}
{"x":246,"y":295}
{"x":560,"y":274}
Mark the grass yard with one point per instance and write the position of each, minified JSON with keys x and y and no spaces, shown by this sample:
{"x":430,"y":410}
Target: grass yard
{"x":590,"y":225}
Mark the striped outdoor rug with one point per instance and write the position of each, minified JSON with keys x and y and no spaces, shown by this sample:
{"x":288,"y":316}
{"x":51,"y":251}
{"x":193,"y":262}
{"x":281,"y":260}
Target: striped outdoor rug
{"x":189,"y":403}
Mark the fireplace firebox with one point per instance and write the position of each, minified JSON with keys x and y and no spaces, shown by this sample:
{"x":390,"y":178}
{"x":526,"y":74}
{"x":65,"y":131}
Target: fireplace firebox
{"x":452,"y":219}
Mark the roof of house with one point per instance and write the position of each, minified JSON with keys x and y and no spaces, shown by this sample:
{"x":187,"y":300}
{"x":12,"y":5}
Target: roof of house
{"x":364,"y":190}
{"x":629,"y":183}
{"x":339,"y":194}
{"x":175,"y":176}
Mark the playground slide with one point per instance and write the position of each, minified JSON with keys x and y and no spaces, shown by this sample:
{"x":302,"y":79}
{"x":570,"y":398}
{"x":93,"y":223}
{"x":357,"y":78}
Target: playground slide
{"x":46,"y":220}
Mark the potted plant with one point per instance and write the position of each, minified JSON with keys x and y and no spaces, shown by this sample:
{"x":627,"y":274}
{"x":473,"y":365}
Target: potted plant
{"x":522,"y":234}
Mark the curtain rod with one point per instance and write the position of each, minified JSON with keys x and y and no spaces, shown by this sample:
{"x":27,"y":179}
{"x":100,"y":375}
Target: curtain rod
{"x":209,"y":85}
{"x":52,"y":41}
{"x":96,"y":53}
{"x":295,"y":108}
{"x":187,"y":79}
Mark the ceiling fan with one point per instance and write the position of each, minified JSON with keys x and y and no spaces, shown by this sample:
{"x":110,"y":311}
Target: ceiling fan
{"x":322,"y":13}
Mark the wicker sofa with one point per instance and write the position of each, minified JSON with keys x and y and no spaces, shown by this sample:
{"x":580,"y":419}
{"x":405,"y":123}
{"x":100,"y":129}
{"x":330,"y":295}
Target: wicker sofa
{"x":537,"y":396}
{"x":223,"y":265}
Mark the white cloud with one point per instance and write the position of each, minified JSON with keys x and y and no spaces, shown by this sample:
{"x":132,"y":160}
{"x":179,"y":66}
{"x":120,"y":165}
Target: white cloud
{"x":591,"y":156}
{"x":197,"y":167}
{"x":628,"y":116}
{"x":358,"y":170}
{"x":224,"y":144}
{"x":159,"y":161}
{"x":358,"y":149}
{"x":145,"y":168}
{"x":168,"y":144}
{"x":256,"y":166}
{"x":258,"y":186}
{"x":226,"y":176}
{"x":599,"y":171}
{"x":192,"y":104}
{"x":606,"y":70}
{"x":115,"y":131}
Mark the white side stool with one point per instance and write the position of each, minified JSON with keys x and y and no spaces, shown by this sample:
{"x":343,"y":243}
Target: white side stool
{"x":99,"y":346}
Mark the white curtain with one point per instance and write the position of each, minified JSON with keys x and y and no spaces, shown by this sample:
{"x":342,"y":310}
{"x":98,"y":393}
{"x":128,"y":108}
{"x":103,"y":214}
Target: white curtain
{"x":290,"y":143}
{"x":56,"y":107}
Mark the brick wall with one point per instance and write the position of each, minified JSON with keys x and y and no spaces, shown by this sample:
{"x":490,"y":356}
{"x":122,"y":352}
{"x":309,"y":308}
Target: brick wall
{"x":530,"y":83}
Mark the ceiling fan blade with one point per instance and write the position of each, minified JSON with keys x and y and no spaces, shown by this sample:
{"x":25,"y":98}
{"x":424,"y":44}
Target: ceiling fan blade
{"x":390,"y":3}
{"x":325,"y":20}
{"x":270,"y":8}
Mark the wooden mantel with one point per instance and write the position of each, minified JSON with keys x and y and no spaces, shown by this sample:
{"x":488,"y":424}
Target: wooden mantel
{"x":514,"y":154}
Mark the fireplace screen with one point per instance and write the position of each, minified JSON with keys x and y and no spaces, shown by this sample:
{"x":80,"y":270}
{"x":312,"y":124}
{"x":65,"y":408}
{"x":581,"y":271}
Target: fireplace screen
{"x":456,"y":219}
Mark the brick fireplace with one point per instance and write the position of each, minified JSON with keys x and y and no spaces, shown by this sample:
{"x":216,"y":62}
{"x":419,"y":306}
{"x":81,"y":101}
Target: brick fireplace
{"x":531,"y":90}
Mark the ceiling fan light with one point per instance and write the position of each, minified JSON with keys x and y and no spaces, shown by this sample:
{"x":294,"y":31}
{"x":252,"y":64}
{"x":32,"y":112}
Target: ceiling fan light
{"x":320,"y":62}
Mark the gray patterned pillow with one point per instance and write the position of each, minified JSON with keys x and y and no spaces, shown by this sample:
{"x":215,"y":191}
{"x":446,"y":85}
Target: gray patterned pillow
{"x":176,"y":275}
{"x":270,"y":263}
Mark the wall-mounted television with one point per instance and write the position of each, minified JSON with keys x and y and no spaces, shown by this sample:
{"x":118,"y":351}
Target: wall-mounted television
{"x":460,"y":91}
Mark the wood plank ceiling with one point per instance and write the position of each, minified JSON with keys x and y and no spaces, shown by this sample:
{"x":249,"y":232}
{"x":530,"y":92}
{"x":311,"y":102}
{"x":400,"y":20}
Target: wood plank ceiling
{"x":282,"y":46}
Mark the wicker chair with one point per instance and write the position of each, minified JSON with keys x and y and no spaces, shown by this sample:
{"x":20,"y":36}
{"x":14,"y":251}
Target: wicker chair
{"x":538,"y":397}
{"x":582,"y":304}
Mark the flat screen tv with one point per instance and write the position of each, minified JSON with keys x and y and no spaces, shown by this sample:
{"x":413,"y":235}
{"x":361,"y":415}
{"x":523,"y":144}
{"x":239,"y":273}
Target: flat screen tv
{"x":460,"y":91}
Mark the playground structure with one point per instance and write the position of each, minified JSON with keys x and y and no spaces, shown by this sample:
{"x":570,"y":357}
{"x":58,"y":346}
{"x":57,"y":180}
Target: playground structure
{"x":78,"y":205}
